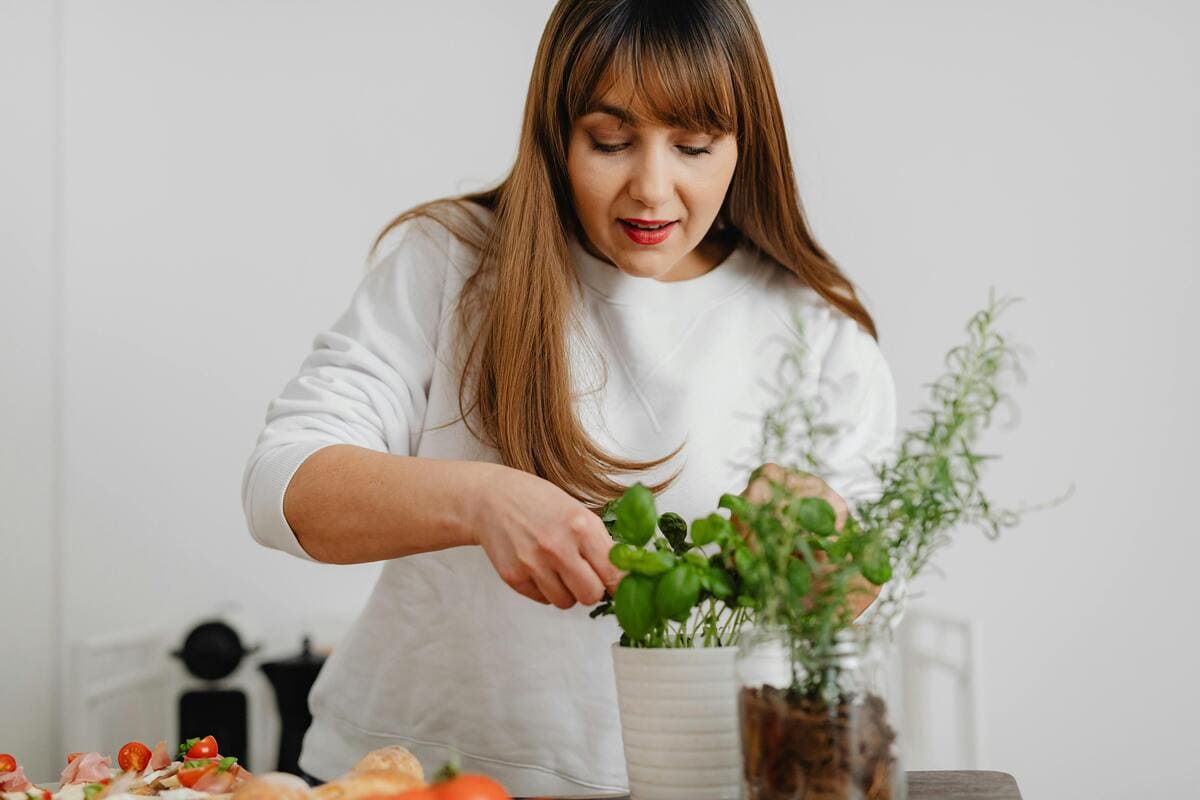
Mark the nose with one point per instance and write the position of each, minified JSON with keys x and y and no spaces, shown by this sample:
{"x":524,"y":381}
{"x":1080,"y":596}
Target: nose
{"x":652,"y":183}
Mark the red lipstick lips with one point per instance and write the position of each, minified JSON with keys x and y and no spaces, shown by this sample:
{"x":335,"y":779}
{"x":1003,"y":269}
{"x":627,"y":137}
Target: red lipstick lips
{"x":647,"y":231}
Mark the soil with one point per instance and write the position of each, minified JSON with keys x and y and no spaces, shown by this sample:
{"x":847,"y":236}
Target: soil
{"x":800,"y":749}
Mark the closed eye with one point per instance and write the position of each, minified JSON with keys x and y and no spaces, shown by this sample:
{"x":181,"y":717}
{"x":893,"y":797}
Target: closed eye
{"x":616,"y":148}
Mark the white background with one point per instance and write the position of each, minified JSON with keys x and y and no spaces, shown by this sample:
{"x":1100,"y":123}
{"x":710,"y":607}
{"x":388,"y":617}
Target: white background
{"x":188,"y":191}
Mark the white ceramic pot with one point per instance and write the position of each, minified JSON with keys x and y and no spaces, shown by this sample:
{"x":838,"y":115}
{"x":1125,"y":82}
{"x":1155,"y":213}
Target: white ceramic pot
{"x":679,"y":721}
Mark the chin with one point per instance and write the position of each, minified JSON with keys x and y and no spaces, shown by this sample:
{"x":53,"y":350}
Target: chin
{"x":651,"y":267}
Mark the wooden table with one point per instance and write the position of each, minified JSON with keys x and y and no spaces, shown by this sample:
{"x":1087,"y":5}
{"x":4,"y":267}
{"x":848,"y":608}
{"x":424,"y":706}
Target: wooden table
{"x":927,"y":786}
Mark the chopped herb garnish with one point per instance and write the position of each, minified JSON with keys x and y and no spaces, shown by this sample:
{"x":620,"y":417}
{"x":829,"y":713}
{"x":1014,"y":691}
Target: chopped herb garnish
{"x":225,"y":763}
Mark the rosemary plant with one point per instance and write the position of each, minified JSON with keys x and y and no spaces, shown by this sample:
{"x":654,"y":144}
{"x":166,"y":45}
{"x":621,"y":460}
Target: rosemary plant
{"x":782,"y":561}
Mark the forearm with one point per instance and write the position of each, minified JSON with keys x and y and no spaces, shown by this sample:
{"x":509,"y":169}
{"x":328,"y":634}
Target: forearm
{"x":350,"y":505}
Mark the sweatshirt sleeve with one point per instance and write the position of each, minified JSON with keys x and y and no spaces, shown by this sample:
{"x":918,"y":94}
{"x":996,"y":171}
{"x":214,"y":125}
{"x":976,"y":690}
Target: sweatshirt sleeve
{"x":858,"y":397}
{"x":365,"y":382}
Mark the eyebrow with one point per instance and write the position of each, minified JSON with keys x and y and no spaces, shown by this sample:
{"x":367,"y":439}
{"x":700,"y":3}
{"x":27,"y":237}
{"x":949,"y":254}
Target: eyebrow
{"x":613,"y":111}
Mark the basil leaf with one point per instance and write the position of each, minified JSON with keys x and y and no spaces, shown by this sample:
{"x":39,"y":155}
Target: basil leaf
{"x":675,"y":529}
{"x":816,"y":515}
{"x":635,"y":605}
{"x":677,"y":593}
{"x":719,"y":583}
{"x":622,"y":556}
{"x":636,"y":519}
{"x":652,"y":563}
{"x":799,"y":577}
{"x":713,"y":528}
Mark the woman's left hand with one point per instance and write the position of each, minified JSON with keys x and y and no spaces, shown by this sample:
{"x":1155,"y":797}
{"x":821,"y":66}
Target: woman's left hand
{"x":800,"y":484}
{"x":805,"y":484}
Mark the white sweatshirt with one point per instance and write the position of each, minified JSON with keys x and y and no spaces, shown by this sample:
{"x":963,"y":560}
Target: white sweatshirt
{"x":446,"y":656}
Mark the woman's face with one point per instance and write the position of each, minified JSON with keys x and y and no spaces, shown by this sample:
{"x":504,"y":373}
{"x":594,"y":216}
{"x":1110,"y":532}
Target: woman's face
{"x":652,"y":174}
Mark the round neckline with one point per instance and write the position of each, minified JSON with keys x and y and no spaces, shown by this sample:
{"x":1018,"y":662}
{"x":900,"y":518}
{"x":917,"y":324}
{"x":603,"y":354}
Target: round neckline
{"x":608,"y":281}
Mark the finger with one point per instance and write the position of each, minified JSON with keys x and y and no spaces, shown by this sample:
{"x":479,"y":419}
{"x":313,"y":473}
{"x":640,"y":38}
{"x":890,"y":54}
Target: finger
{"x":530,"y":590}
{"x":554,"y":589}
{"x":582,"y":581}
{"x":594,"y":548}
{"x":840,"y":510}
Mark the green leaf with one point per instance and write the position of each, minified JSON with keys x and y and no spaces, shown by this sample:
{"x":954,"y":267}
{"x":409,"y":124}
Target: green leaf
{"x":875,"y":566}
{"x":183,"y":748}
{"x":635,"y":605}
{"x":636,"y":518}
{"x":622,"y":556}
{"x":225,"y":763}
{"x":719,"y":583}
{"x":677,"y":593}
{"x":92,"y":789}
{"x":652,"y":563}
{"x":713,"y":528}
{"x":738,"y":505}
{"x":799,"y":577}
{"x":743,"y":559}
{"x":695,"y":559}
{"x":816,"y":515}
{"x":675,"y":529}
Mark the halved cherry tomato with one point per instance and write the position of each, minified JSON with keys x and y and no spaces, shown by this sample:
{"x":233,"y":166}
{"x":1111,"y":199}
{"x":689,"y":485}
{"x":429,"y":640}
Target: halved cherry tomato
{"x":205,"y":748}
{"x":72,"y":756}
{"x":133,"y":757}
{"x":7,"y":763}
{"x":192,"y":771}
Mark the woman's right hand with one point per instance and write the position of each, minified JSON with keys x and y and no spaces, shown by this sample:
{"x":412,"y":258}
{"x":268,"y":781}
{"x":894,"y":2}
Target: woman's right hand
{"x":542,"y":542}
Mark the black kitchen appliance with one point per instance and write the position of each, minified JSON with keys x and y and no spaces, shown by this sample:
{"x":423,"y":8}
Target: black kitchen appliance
{"x":212,"y":652}
{"x":292,"y":678}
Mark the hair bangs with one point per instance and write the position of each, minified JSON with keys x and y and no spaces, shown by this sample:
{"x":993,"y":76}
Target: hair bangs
{"x":662,"y":69}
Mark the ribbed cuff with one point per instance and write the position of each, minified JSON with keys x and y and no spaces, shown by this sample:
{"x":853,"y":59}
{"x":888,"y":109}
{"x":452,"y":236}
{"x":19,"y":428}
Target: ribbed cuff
{"x":264,"y":504}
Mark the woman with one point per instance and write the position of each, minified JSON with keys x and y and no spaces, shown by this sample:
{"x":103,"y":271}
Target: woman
{"x":608,"y":313}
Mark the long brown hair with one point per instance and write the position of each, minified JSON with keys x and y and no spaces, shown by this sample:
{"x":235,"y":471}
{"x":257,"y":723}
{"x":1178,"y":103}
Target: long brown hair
{"x":694,"y":64}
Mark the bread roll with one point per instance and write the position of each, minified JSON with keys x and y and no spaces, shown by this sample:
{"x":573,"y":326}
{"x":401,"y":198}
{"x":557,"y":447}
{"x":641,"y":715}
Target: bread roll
{"x":273,"y":786}
{"x":394,"y":758}
{"x":359,"y":785}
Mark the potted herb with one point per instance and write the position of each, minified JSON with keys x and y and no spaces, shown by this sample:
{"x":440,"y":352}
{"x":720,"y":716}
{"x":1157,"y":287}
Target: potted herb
{"x":813,"y":719}
{"x":674,"y":662}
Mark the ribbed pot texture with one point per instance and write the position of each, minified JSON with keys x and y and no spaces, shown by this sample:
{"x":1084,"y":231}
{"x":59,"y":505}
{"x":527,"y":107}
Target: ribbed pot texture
{"x":679,"y":720}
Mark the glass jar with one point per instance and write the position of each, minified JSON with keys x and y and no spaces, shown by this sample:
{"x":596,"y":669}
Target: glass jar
{"x":817,"y":725}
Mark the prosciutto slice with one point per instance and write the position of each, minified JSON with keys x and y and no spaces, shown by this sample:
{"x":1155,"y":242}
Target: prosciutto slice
{"x":160,"y":758}
{"x":14,"y":781}
{"x":87,"y":768}
{"x":215,"y":782}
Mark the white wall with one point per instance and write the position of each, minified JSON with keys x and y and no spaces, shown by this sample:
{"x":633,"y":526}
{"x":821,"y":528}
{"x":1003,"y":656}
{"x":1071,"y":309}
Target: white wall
{"x":226,"y":165}
{"x":28,"y":369}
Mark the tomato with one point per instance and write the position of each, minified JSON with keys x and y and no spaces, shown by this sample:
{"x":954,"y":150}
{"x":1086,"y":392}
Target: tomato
{"x":470,"y":787}
{"x":205,"y":748}
{"x":7,"y":763}
{"x":133,"y":757}
{"x":72,"y":756}
{"x":191,"y":772}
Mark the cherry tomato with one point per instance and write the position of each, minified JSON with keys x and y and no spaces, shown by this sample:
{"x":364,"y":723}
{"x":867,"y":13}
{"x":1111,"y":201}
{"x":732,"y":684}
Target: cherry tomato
{"x":471,"y":787}
{"x":72,"y":756}
{"x":189,"y":775}
{"x":133,"y":757}
{"x":7,"y":763}
{"x":205,"y":748}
